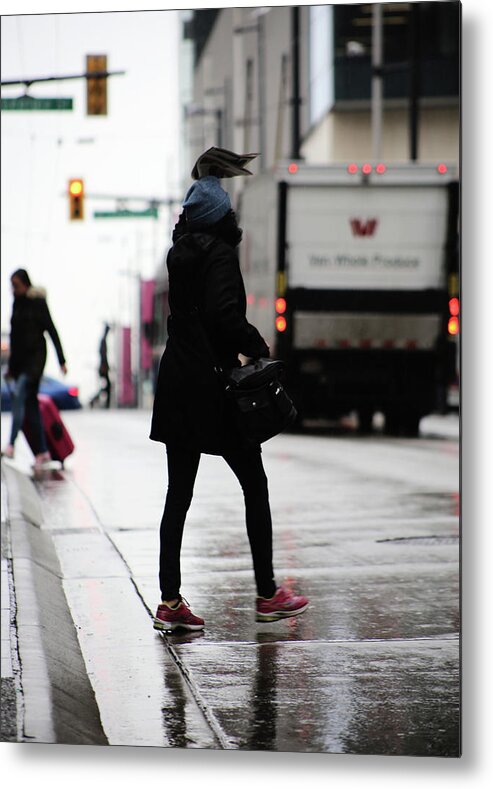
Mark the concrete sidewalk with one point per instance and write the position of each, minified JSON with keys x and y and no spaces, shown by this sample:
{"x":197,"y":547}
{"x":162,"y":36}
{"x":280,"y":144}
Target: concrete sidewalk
{"x":51,"y":697}
{"x":371,"y":667}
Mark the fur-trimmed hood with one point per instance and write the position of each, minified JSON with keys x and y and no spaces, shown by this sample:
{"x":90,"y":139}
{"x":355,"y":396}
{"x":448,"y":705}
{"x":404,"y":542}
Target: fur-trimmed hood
{"x":36,"y":293}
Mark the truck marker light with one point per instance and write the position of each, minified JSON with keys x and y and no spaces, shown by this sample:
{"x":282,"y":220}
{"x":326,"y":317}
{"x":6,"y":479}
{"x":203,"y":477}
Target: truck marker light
{"x":442,"y":168}
{"x":281,"y":323}
{"x":366,"y":169}
{"x":380,"y":168}
{"x":352,"y":168}
{"x":280,"y":305}
{"x":453,"y":326}
{"x":453,"y":306}
{"x":293,"y":168}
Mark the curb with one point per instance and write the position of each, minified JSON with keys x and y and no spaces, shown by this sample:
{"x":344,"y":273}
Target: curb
{"x":59,"y":705}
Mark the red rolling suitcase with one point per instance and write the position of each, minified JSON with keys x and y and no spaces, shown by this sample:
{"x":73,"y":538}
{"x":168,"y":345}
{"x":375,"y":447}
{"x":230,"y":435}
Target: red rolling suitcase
{"x":60,"y":444}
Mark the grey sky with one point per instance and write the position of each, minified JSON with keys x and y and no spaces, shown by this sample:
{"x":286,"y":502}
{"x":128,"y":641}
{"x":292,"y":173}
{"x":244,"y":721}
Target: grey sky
{"x":134,"y":150}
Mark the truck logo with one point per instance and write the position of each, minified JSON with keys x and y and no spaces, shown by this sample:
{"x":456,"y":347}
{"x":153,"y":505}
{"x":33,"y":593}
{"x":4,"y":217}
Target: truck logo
{"x":361,"y":228}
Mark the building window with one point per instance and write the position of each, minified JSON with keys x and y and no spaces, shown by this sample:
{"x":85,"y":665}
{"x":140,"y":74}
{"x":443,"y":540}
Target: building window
{"x":439,"y":26}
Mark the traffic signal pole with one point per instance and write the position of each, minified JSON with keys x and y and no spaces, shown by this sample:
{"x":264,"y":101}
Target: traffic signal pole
{"x":96,"y":75}
{"x":86,"y":75}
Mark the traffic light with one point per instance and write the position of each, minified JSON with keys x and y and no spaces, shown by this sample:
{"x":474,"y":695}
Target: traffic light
{"x":97,"y":99}
{"x":76,"y":198}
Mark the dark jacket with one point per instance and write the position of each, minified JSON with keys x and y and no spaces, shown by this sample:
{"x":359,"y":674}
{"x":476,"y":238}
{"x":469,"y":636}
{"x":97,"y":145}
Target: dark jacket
{"x":30,"y":319}
{"x":207,"y":325}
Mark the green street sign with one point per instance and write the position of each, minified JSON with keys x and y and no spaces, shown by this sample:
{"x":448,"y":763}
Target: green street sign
{"x":125,"y":213}
{"x":31,"y":103}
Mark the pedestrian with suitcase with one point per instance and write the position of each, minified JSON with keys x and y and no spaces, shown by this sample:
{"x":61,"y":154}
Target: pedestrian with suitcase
{"x":192,"y":413}
{"x":30,"y":320}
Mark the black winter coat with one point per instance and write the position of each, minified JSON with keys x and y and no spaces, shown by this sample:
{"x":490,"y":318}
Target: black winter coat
{"x":30,"y":319}
{"x":206,"y":297}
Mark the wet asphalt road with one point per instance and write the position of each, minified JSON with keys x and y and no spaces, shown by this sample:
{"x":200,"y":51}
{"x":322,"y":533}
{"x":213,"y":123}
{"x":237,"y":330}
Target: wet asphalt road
{"x":367,"y":527}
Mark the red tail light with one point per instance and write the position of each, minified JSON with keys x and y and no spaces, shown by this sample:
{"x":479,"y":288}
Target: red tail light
{"x":453,"y":326}
{"x":73,"y":391}
{"x":453,"y":306}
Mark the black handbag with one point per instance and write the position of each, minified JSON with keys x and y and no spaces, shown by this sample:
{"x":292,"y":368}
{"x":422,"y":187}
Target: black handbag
{"x":263,"y":407}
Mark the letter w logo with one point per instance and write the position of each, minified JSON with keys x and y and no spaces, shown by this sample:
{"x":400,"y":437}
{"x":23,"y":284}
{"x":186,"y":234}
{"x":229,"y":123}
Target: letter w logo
{"x":360,"y":228}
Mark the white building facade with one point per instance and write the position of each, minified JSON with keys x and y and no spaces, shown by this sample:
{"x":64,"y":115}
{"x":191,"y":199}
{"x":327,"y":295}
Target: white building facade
{"x":244,"y":83}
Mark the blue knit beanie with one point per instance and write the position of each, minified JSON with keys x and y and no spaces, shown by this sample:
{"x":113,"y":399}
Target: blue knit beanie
{"x":206,"y":202}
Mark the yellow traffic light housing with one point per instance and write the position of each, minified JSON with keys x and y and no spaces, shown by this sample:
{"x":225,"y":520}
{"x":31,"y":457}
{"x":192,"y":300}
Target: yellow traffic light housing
{"x":97,"y":94}
{"x":76,"y":198}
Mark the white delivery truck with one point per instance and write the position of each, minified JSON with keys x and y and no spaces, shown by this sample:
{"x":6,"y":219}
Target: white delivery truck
{"x":351,"y":274}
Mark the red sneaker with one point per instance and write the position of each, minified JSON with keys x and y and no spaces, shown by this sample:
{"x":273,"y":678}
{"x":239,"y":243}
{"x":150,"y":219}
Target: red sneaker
{"x":282,"y":605}
{"x":173,"y":618}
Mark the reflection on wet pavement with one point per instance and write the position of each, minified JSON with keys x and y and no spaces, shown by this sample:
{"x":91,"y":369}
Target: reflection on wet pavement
{"x":367,"y":698}
{"x":368,"y":529}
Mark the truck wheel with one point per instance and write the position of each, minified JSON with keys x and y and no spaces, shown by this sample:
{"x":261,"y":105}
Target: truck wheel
{"x":365,"y":421}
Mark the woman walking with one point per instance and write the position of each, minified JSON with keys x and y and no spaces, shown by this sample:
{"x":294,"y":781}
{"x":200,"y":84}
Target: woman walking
{"x":30,"y":319}
{"x":207,"y":327}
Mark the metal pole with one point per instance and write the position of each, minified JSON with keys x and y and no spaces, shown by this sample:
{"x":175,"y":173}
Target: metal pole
{"x":219,"y":118}
{"x":296,"y":99}
{"x":376,"y":82}
{"x":261,"y":91}
{"x":414,"y":84}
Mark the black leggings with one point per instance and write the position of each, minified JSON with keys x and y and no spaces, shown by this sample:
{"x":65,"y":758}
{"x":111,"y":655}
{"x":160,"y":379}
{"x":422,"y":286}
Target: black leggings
{"x":183,"y":464}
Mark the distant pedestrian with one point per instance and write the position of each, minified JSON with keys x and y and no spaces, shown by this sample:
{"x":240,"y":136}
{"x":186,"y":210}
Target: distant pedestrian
{"x":191,"y":412}
{"x":103,"y":371}
{"x":30,"y":320}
